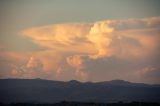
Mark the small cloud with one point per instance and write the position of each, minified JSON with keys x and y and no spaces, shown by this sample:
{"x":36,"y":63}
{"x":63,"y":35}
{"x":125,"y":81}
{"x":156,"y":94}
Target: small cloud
{"x":77,"y":63}
{"x":74,"y":61}
{"x":149,"y":74}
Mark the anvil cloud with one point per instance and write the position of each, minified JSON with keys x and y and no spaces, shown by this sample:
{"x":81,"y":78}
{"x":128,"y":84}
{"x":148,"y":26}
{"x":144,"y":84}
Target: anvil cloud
{"x":93,"y":51}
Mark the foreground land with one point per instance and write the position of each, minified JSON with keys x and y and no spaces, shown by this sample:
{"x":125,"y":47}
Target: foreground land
{"x":83,"y":104}
{"x":50,"y":91}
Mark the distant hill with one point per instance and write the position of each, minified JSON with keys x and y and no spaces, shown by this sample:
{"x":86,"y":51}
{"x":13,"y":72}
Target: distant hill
{"x":48,"y":91}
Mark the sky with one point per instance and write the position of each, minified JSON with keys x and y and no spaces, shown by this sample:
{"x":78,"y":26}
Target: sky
{"x":85,"y":40}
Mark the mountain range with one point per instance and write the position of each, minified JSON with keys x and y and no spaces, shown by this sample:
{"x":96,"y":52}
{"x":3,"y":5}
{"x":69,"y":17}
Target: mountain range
{"x":50,"y":91}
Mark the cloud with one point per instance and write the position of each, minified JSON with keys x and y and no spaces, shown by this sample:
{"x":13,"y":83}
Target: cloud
{"x":149,"y":74}
{"x":77,"y":62}
{"x":74,"y":61}
{"x":33,"y":62}
{"x":100,"y":39}
{"x":103,"y":50}
{"x":29,"y":64}
{"x":61,"y":37}
{"x":99,"y":36}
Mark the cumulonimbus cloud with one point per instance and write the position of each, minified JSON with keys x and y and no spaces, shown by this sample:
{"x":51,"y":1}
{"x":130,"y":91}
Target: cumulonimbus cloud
{"x":124,"y":39}
{"x":100,"y":39}
{"x":73,"y":49}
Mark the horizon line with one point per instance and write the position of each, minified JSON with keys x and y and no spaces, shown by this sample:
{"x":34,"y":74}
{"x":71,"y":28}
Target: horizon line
{"x":80,"y":81}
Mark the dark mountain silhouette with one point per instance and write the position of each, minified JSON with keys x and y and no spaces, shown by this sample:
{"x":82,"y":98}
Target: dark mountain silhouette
{"x":48,"y":91}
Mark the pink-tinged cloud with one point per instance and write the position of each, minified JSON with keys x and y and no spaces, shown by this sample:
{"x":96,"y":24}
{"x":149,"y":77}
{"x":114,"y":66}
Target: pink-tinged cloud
{"x":99,"y":39}
{"x":77,"y":63}
{"x":104,"y":50}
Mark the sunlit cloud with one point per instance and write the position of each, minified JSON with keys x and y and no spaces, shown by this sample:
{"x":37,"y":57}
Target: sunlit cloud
{"x":99,"y":39}
{"x":77,"y":63}
{"x":82,"y":50}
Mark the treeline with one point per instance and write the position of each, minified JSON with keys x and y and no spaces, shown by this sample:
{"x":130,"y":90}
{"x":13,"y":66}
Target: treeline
{"x":64,"y":103}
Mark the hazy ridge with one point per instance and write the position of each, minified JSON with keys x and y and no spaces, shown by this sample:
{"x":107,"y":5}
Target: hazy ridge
{"x":49,"y":91}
